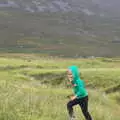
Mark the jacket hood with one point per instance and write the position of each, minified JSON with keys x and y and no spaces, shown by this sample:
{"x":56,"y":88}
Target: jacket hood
{"x":75,"y":72}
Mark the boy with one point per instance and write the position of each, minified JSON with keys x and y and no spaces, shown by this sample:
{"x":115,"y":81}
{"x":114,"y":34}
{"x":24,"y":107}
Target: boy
{"x":80,"y":96}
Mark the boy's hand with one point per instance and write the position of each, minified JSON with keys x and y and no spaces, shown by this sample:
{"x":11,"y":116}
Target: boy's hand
{"x":73,"y":97}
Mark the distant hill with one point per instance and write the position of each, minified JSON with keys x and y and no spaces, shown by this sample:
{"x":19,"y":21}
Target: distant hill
{"x":60,"y":27}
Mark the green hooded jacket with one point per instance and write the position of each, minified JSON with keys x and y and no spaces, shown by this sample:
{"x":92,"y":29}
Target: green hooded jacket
{"x":78,"y":84}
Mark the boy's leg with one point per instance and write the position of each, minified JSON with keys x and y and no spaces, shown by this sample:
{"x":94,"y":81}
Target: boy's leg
{"x":70,"y":105}
{"x":84,"y":106}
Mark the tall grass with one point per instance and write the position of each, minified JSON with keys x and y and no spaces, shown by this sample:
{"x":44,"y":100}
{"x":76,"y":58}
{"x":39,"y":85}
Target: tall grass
{"x":32,"y":101}
{"x":28,"y":92}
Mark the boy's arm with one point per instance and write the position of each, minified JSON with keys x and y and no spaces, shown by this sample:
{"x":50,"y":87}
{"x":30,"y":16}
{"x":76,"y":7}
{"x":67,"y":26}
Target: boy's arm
{"x":80,"y":89}
{"x":78,"y":92}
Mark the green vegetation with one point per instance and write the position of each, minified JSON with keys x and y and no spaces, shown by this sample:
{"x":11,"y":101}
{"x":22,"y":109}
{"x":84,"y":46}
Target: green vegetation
{"x":34,"y":87}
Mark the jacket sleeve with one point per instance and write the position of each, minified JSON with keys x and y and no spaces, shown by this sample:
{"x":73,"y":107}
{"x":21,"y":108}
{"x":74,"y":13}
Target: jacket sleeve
{"x":80,"y":89}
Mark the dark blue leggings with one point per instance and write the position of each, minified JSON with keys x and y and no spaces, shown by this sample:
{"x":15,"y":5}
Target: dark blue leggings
{"x":83,"y":103}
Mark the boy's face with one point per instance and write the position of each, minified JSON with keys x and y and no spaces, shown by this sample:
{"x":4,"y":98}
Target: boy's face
{"x":69,"y":75}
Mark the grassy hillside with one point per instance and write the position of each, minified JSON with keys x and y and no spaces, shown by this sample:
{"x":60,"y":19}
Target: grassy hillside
{"x":58,"y":33}
{"x":34,"y":87}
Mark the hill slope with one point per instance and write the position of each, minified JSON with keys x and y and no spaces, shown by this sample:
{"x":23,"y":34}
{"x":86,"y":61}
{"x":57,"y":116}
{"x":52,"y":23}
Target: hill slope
{"x":55,"y":27}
